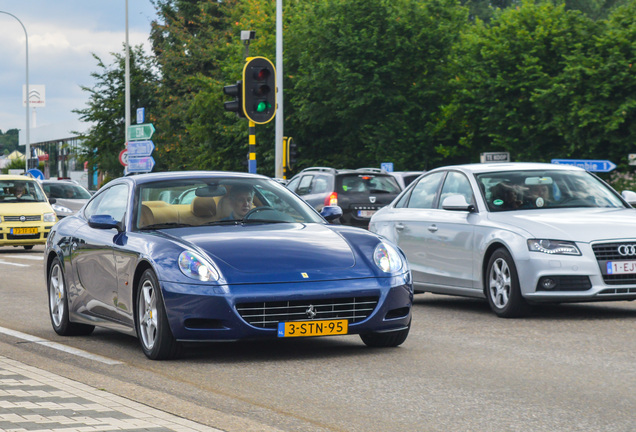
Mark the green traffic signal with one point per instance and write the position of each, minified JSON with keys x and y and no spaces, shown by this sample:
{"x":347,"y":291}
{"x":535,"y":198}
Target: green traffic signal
{"x":259,"y":90}
{"x":263,"y":106}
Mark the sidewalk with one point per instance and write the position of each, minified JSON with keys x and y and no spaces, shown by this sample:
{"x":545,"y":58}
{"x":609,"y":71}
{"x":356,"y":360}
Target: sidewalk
{"x":35,"y":400}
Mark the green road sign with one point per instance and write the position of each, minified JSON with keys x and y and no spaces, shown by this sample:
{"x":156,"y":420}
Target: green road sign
{"x":140,"y":132}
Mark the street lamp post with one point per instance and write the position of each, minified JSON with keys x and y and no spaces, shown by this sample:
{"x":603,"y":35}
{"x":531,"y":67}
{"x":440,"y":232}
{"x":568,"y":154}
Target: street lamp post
{"x":28,"y":127}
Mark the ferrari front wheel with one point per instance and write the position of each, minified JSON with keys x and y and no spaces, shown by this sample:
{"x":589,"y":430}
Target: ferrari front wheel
{"x":153,"y":329}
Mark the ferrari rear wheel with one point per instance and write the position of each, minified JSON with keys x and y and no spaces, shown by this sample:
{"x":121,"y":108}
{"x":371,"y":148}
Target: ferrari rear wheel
{"x":152,"y":324}
{"x":386,"y":340}
{"x":58,"y":304}
{"x":502,"y":286}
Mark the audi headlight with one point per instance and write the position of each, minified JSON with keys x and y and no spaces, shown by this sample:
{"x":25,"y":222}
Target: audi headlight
{"x":553,"y":247}
{"x":49,"y":217}
{"x":194,"y":266}
{"x":387,"y":258}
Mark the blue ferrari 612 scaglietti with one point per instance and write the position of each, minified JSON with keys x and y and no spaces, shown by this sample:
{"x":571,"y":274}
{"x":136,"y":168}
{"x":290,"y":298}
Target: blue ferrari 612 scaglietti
{"x":212,"y":256}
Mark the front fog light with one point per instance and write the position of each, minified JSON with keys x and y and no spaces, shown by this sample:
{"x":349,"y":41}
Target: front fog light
{"x":548,"y":283}
{"x":195,"y":267}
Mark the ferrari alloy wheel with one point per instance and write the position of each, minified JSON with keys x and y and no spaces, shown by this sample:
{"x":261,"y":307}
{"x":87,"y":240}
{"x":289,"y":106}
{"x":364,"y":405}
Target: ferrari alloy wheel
{"x":58,"y":304}
{"x":502,"y":286}
{"x":153,"y":329}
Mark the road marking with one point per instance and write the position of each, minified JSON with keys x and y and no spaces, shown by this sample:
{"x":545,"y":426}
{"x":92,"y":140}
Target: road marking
{"x":26,"y":257}
{"x":14,"y":264}
{"x":59,"y":347}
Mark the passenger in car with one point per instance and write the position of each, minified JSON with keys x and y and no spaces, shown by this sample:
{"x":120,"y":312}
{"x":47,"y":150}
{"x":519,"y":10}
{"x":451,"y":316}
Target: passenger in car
{"x":504,"y":196}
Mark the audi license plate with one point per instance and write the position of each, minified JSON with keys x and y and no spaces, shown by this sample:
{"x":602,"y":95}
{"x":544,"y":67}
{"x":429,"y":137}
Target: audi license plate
{"x":366,"y":213}
{"x":313,"y":328}
{"x":621,"y":267}
{"x":24,"y":231}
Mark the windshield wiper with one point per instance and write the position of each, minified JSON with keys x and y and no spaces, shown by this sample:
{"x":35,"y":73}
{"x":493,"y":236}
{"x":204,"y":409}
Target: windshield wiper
{"x":165,"y":225}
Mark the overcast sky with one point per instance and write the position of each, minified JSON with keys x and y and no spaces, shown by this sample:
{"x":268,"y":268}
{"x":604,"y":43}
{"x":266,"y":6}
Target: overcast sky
{"x":62,"y":35}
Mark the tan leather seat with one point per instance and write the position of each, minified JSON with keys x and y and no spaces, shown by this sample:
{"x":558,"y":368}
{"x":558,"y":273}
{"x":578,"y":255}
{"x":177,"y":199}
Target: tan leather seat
{"x":204,"y":207}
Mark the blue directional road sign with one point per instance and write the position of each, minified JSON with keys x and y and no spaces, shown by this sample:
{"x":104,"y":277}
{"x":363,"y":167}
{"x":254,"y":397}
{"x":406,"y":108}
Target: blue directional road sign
{"x":587,"y":164}
{"x":140,"y":148}
{"x":387,"y":166}
{"x":140,"y":164}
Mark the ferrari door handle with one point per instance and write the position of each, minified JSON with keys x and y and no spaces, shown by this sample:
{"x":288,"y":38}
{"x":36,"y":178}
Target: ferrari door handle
{"x":432,"y":228}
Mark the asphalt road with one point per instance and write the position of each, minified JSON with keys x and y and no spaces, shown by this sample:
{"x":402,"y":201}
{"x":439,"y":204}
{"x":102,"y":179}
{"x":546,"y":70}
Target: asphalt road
{"x":564,"y":368}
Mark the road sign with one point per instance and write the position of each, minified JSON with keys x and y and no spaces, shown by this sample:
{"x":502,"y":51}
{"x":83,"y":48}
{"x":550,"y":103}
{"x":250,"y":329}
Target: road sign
{"x":140,"y":148}
{"x":387,"y":166}
{"x":494,"y":157}
{"x":141,"y":115}
{"x":36,"y":173}
{"x":140,"y":132}
{"x":631,"y":159}
{"x":587,"y":164}
{"x":123,"y":157}
{"x":140,"y":164}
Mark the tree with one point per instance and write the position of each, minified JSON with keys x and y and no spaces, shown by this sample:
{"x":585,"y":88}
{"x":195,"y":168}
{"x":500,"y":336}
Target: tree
{"x":106,"y":107}
{"x":506,"y":76}
{"x":364,"y":79}
{"x":198,"y":49}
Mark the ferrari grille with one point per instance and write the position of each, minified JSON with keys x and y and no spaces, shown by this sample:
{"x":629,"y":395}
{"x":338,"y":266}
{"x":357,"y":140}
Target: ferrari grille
{"x":269,"y":314}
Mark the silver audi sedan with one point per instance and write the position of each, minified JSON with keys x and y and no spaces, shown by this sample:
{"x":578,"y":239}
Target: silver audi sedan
{"x":516,"y":234}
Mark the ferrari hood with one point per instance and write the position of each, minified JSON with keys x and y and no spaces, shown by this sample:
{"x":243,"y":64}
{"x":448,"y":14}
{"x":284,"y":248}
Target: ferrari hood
{"x":577,"y":224}
{"x":280,"y":248}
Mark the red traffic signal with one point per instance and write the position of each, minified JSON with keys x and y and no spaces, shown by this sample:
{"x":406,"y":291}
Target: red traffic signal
{"x":259,"y":90}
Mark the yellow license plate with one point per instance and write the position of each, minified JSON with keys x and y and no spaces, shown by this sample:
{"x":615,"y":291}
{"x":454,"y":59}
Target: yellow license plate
{"x":24,"y":231}
{"x":313,"y":328}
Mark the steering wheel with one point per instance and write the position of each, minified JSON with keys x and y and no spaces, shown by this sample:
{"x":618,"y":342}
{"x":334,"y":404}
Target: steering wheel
{"x":255,"y":210}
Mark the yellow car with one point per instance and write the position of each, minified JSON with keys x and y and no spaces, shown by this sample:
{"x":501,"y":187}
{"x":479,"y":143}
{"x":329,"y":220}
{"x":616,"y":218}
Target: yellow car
{"x":26,"y":217}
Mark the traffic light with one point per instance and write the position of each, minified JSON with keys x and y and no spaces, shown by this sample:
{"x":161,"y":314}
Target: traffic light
{"x":290,"y":150}
{"x":236,"y":105}
{"x":259,"y":90}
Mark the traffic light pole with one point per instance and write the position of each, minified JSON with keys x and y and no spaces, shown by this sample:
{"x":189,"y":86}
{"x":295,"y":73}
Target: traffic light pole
{"x":251,"y":163}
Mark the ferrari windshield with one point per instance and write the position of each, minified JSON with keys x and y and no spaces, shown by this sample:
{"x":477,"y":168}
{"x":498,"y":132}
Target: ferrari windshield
{"x":16,"y":191}
{"x":219,"y":201}
{"x":518,"y":190}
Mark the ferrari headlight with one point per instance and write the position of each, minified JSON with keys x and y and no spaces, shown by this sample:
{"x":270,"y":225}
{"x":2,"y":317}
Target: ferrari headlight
{"x":49,"y":217}
{"x":387,"y":258}
{"x":553,"y":247}
{"x":194,"y":266}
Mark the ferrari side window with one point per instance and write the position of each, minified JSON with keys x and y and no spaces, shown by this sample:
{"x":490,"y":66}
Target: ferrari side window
{"x":113,"y":203}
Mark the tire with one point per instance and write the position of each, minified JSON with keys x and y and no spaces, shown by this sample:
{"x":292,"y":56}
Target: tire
{"x":28,"y":247}
{"x":151,"y":321}
{"x":58,"y":304}
{"x":502,"y":286}
{"x":386,"y":340}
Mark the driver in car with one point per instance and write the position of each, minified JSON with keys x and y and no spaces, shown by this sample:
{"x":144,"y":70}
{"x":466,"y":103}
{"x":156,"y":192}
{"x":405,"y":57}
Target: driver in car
{"x":240,"y":198}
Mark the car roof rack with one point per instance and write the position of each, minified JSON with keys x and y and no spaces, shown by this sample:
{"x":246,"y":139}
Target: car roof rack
{"x":323,"y":169}
{"x":372,"y":170}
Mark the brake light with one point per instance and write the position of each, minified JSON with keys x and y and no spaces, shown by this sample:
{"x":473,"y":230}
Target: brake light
{"x":332,"y":200}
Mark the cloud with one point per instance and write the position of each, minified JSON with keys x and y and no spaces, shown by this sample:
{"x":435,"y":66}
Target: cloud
{"x":62,"y":38}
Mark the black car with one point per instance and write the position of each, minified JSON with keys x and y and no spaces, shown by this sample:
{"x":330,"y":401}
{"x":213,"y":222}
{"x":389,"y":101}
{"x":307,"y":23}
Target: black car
{"x":360,"y":193}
